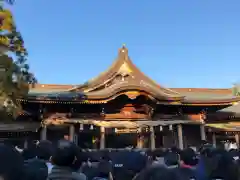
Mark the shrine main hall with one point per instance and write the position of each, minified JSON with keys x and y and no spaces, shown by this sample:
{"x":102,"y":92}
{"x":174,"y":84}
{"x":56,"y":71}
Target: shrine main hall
{"x":123,"y":107}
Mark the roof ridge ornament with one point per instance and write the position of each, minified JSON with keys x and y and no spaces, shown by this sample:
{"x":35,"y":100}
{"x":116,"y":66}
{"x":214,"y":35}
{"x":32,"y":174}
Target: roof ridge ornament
{"x":123,"y":52}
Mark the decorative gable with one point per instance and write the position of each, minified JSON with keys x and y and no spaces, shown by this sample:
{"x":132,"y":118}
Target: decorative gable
{"x":124,"y":75}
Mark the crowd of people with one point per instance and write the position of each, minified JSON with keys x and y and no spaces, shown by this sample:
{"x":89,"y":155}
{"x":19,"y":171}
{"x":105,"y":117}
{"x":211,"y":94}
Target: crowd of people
{"x":66,"y":161}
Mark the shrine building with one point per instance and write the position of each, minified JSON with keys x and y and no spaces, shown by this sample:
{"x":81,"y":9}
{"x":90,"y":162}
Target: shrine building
{"x":123,"y":107}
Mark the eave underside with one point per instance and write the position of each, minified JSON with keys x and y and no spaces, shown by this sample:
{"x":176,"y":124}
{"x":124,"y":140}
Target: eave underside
{"x":110,"y":93}
{"x":230,"y":126}
{"x":121,"y":124}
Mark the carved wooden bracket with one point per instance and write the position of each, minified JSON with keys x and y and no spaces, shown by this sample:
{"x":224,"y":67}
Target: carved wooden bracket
{"x":56,"y":119}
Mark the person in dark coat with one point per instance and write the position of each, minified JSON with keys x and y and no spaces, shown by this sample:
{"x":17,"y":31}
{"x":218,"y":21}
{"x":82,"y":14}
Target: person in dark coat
{"x":36,"y":169}
{"x":11,"y":164}
{"x":44,"y":151}
{"x":126,"y":164}
{"x":188,"y":161}
{"x":63,"y":158}
{"x":104,"y":168}
{"x":225,"y":167}
{"x":172,"y":159}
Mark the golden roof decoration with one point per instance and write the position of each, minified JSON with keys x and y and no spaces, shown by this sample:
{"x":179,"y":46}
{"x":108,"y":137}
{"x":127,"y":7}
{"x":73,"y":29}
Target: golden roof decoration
{"x":125,"y":69}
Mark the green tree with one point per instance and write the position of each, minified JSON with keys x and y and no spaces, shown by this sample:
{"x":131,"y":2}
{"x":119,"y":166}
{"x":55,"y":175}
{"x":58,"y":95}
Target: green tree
{"x":15,"y":75}
{"x":236,"y":90}
{"x":8,"y":1}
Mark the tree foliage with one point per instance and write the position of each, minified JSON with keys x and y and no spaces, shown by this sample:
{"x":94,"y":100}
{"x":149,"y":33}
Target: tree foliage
{"x":8,"y":1}
{"x":236,"y":90}
{"x":16,"y":77}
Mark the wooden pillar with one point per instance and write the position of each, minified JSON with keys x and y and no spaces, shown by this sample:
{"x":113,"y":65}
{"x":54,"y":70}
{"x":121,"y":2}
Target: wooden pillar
{"x":140,"y":141}
{"x":102,"y":137}
{"x":152,"y":138}
{"x":71,"y":132}
{"x":214,"y":141}
{"x":75,"y":139}
{"x":202,"y":132}
{"x":43,"y":133}
{"x":237,"y":139}
{"x":180,"y":136}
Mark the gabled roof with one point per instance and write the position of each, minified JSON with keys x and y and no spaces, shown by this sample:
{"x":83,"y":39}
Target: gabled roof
{"x":123,"y":77}
{"x":199,"y":96}
{"x":126,"y":76}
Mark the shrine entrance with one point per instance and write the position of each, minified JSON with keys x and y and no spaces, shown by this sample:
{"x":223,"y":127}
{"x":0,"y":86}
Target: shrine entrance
{"x":116,"y":140}
{"x":121,"y":138}
{"x":55,"y":133}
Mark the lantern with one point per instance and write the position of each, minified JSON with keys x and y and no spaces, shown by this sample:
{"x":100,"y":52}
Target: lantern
{"x":81,"y":127}
{"x":160,"y":128}
{"x":170,"y":127}
{"x":139,"y":130}
{"x":151,"y":129}
{"x":91,"y":127}
{"x":103,"y":112}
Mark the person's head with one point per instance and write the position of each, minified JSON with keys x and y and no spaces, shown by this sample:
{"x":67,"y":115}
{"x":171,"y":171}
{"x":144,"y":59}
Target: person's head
{"x":207,"y":150}
{"x":44,"y":150}
{"x":172,"y":159}
{"x":158,"y":154}
{"x":188,"y":157}
{"x":64,"y":154}
{"x":175,"y":150}
{"x":234,"y":154}
{"x":11,"y":164}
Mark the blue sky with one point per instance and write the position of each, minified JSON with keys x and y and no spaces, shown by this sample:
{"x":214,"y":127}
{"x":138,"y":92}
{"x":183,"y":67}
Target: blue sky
{"x":178,"y":43}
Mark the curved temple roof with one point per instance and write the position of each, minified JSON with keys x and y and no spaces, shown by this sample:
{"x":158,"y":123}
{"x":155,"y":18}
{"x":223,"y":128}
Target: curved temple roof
{"x":124,"y":76}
